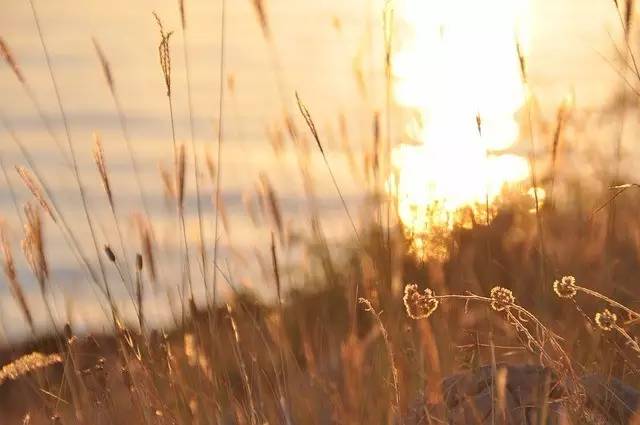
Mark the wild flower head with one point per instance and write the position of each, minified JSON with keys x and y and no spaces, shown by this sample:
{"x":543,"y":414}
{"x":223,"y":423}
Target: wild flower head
{"x":565,"y":287}
{"x":606,"y":320}
{"x":501,"y":298}
{"x":419,"y":305}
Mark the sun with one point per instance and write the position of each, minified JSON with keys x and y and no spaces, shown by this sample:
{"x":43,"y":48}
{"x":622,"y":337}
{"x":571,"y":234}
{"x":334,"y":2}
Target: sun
{"x":457,"y":69}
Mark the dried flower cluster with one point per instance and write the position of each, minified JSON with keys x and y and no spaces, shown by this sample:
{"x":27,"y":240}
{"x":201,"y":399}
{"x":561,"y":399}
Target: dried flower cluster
{"x":501,"y":298}
{"x":565,"y":287}
{"x":606,"y":320}
{"x":419,"y":305}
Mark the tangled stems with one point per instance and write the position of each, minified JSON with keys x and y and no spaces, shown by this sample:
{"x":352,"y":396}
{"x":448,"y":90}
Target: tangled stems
{"x":500,"y":300}
{"x":610,"y":301}
{"x":605,"y":320}
{"x":567,"y":288}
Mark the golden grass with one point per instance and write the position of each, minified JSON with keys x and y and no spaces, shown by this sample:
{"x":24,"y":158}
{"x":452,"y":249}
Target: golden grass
{"x":27,"y":364}
{"x":339,"y":346}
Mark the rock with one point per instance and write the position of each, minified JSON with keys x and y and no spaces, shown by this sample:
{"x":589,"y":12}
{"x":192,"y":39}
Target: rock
{"x":525,"y":395}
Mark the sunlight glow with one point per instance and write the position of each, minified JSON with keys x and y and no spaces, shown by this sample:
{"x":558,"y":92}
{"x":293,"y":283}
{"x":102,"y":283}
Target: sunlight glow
{"x":457,"y":69}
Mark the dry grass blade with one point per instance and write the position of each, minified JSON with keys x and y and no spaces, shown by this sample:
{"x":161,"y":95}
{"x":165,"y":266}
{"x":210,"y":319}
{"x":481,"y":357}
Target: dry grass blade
{"x":164,"y":53}
{"x":27,"y":364}
{"x":522,"y":61}
{"x":139,"y":291}
{"x":620,"y":189}
{"x":211,"y":167}
{"x":560,"y":121}
{"x":12,"y":276}
{"x":144,"y":233}
{"x":183,"y":17}
{"x":312,"y":127}
{"x":33,"y":245}
{"x":628,"y":16}
{"x":392,"y":363}
{"x":106,"y":68}
{"x":7,"y":55}
{"x":271,"y":201}
{"x":258,"y":5}
{"x":168,"y":182}
{"x":180,"y":173}
{"x":98,"y":155}
{"x":30,"y":181}
{"x":276,"y":270}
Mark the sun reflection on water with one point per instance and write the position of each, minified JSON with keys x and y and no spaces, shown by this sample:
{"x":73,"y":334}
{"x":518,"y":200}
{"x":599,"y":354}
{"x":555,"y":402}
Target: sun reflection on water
{"x":458,"y":70}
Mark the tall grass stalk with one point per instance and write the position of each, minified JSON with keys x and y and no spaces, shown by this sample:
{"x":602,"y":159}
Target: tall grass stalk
{"x":9,"y":57}
{"x":122,"y":121}
{"x":70,"y":238}
{"x":221,"y":96}
{"x":312,"y":127}
{"x":71,"y":148}
{"x":165,"y":62}
{"x":196,"y":161}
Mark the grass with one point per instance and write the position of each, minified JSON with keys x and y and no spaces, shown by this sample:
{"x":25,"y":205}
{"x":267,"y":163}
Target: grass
{"x":339,"y":343}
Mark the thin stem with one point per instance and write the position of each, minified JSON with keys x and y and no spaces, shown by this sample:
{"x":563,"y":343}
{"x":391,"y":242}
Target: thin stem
{"x":70,"y":239}
{"x":220,"y":136}
{"x":74,"y":160}
{"x":196,"y":167}
{"x":127,"y":139}
{"x":608,"y":300}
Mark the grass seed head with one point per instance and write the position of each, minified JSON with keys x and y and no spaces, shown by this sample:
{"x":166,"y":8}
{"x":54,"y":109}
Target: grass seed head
{"x":98,"y":156}
{"x":164,"y":54}
{"x":7,"y":55}
{"x":30,"y":181}
{"x":33,"y":245}
{"x":27,"y":364}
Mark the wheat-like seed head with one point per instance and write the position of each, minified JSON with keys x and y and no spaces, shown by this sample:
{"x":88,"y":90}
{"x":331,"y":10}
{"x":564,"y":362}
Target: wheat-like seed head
{"x":270,"y":200}
{"x":98,"y":156}
{"x":262,"y":17}
{"x":30,"y":182}
{"x":106,"y":67}
{"x":210,"y":166}
{"x":33,"y":245}
{"x":190,"y":349}
{"x":183,"y":17}
{"x":11,"y":274}
{"x":7,"y":55}
{"x":164,"y":54}
{"x":180,"y":173}
{"x":522,"y":61}
{"x":27,"y":364}
{"x":168,"y":182}
{"x":109,"y":253}
{"x":144,"y":232}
